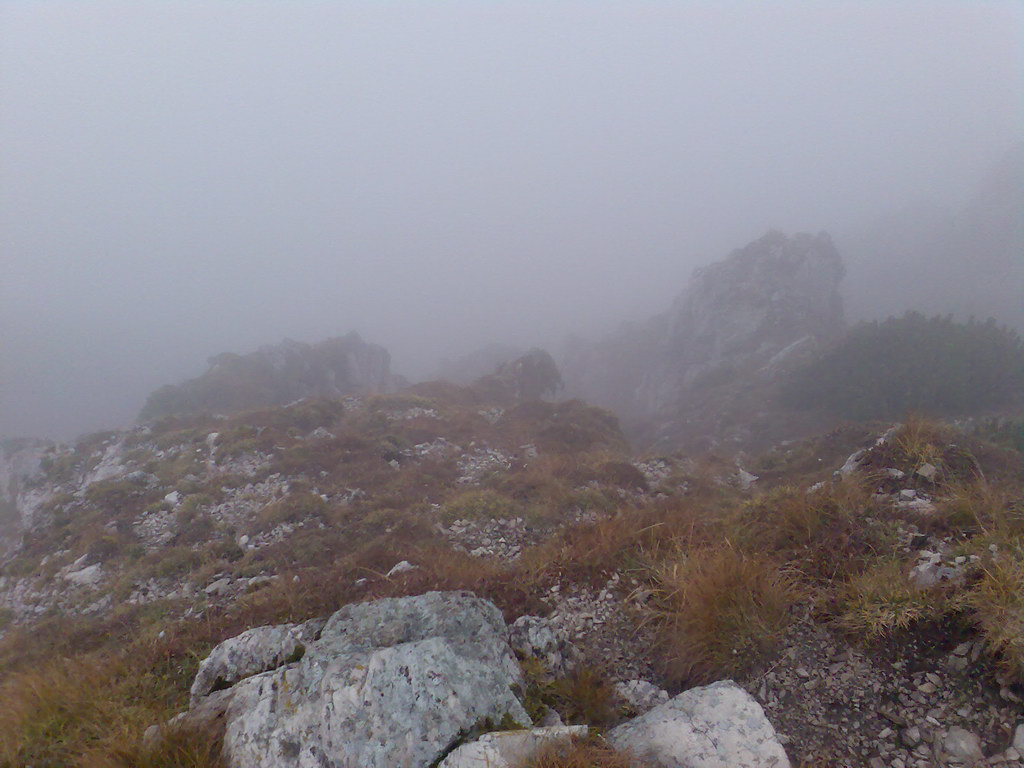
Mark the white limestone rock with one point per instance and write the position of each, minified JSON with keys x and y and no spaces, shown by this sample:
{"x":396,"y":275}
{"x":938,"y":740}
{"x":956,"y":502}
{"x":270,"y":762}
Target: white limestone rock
{"x":403,"y":567}
{"x":962,"y":746}
{"x":716,"y":726}
{"x":256,"y":650}
{"x":511,"y":749}
{"x":393,"y":682}
{"x":89,"y":576}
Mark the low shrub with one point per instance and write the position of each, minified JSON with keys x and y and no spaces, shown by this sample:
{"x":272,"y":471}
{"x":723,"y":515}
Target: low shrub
{"x":296,"y":506}
{"x":718,"y":611}
{"x":997,"y":608}
{"x":807,"y":529}
{"x":913,"y":363}
{"x":882,"y":602}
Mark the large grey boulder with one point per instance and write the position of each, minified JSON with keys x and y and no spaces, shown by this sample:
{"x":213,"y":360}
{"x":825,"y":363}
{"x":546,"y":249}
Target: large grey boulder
{"x":716,"y":726}
{"x":394,"y":682}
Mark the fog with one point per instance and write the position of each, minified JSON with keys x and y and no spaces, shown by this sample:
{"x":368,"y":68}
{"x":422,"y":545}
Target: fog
{"x":181,"y":179}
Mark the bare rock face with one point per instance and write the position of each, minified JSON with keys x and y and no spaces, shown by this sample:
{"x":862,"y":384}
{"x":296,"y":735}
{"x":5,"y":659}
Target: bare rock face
{"x":716,"y":726}
{"x":391,"y":682}
{"x":763,"y":298}
{"x":20,"y":461}
{"x":276,"y":375}
{"x":704,"y":365}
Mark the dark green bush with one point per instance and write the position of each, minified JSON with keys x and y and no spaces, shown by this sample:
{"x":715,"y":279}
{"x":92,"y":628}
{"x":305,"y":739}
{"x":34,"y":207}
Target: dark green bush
{"x":937,"y":366}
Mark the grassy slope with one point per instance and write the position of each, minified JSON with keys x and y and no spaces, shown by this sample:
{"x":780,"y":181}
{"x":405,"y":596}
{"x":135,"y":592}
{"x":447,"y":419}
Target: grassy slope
{"x":722,"y":569}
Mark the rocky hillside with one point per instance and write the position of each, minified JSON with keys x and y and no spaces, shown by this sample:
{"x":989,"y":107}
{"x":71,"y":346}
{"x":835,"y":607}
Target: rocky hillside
{"x":275,"y":375}
{"x":455,"y":575}
{"x":701,"y":375}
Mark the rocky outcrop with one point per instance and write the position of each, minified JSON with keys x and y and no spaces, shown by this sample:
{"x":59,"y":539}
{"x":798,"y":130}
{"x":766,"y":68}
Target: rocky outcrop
{"x":716,"y":726}
{"x":700,"y":368}
{"x":421,"y":681}
{"x":257,"y":650}
{"x":392,"y":682}
{"x":532,"y":376}
{"x":275,"y":375}
{"x":20,"y":461}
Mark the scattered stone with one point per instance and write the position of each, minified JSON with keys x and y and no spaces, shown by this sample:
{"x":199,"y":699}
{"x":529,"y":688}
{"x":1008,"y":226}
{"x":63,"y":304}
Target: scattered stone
{"x":402,"y":567}
{"x":962,"y":745}
{"x":89,"y":576}
{"x":254,"y":651}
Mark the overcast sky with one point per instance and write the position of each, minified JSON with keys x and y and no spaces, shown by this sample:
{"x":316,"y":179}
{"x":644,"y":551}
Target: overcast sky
{"x":180,"y":179}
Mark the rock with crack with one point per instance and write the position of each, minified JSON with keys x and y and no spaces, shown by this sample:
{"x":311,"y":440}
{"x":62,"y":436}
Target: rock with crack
{"x":256,"y":650}
{"x":393,"y":682}
{"x":716,"y":726}
{"x":511,"y":749}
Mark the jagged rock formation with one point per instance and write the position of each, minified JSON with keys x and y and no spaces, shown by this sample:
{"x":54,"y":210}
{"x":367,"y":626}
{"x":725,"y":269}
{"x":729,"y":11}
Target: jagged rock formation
{"x":20,"y":460}
{"x":274,"y":375}
{"x":766,"y":305}
{"x":532,"y":376}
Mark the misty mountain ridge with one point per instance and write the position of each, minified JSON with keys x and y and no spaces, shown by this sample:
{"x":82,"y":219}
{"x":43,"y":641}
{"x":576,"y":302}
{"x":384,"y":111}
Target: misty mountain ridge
{"x":766,"y":305}
{"x":278,"y":374}
{"x":704,"y":374}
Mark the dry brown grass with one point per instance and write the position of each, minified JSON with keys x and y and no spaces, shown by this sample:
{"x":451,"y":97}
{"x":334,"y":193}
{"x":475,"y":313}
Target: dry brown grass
{"x":806,"y":530}
{"x":997,"y":606}
{"x":630,"y":540}
{"x":881,"y":602}
{"x":90,"y":712}
{"x":718,"y":611}
{"x":589,"y":753}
